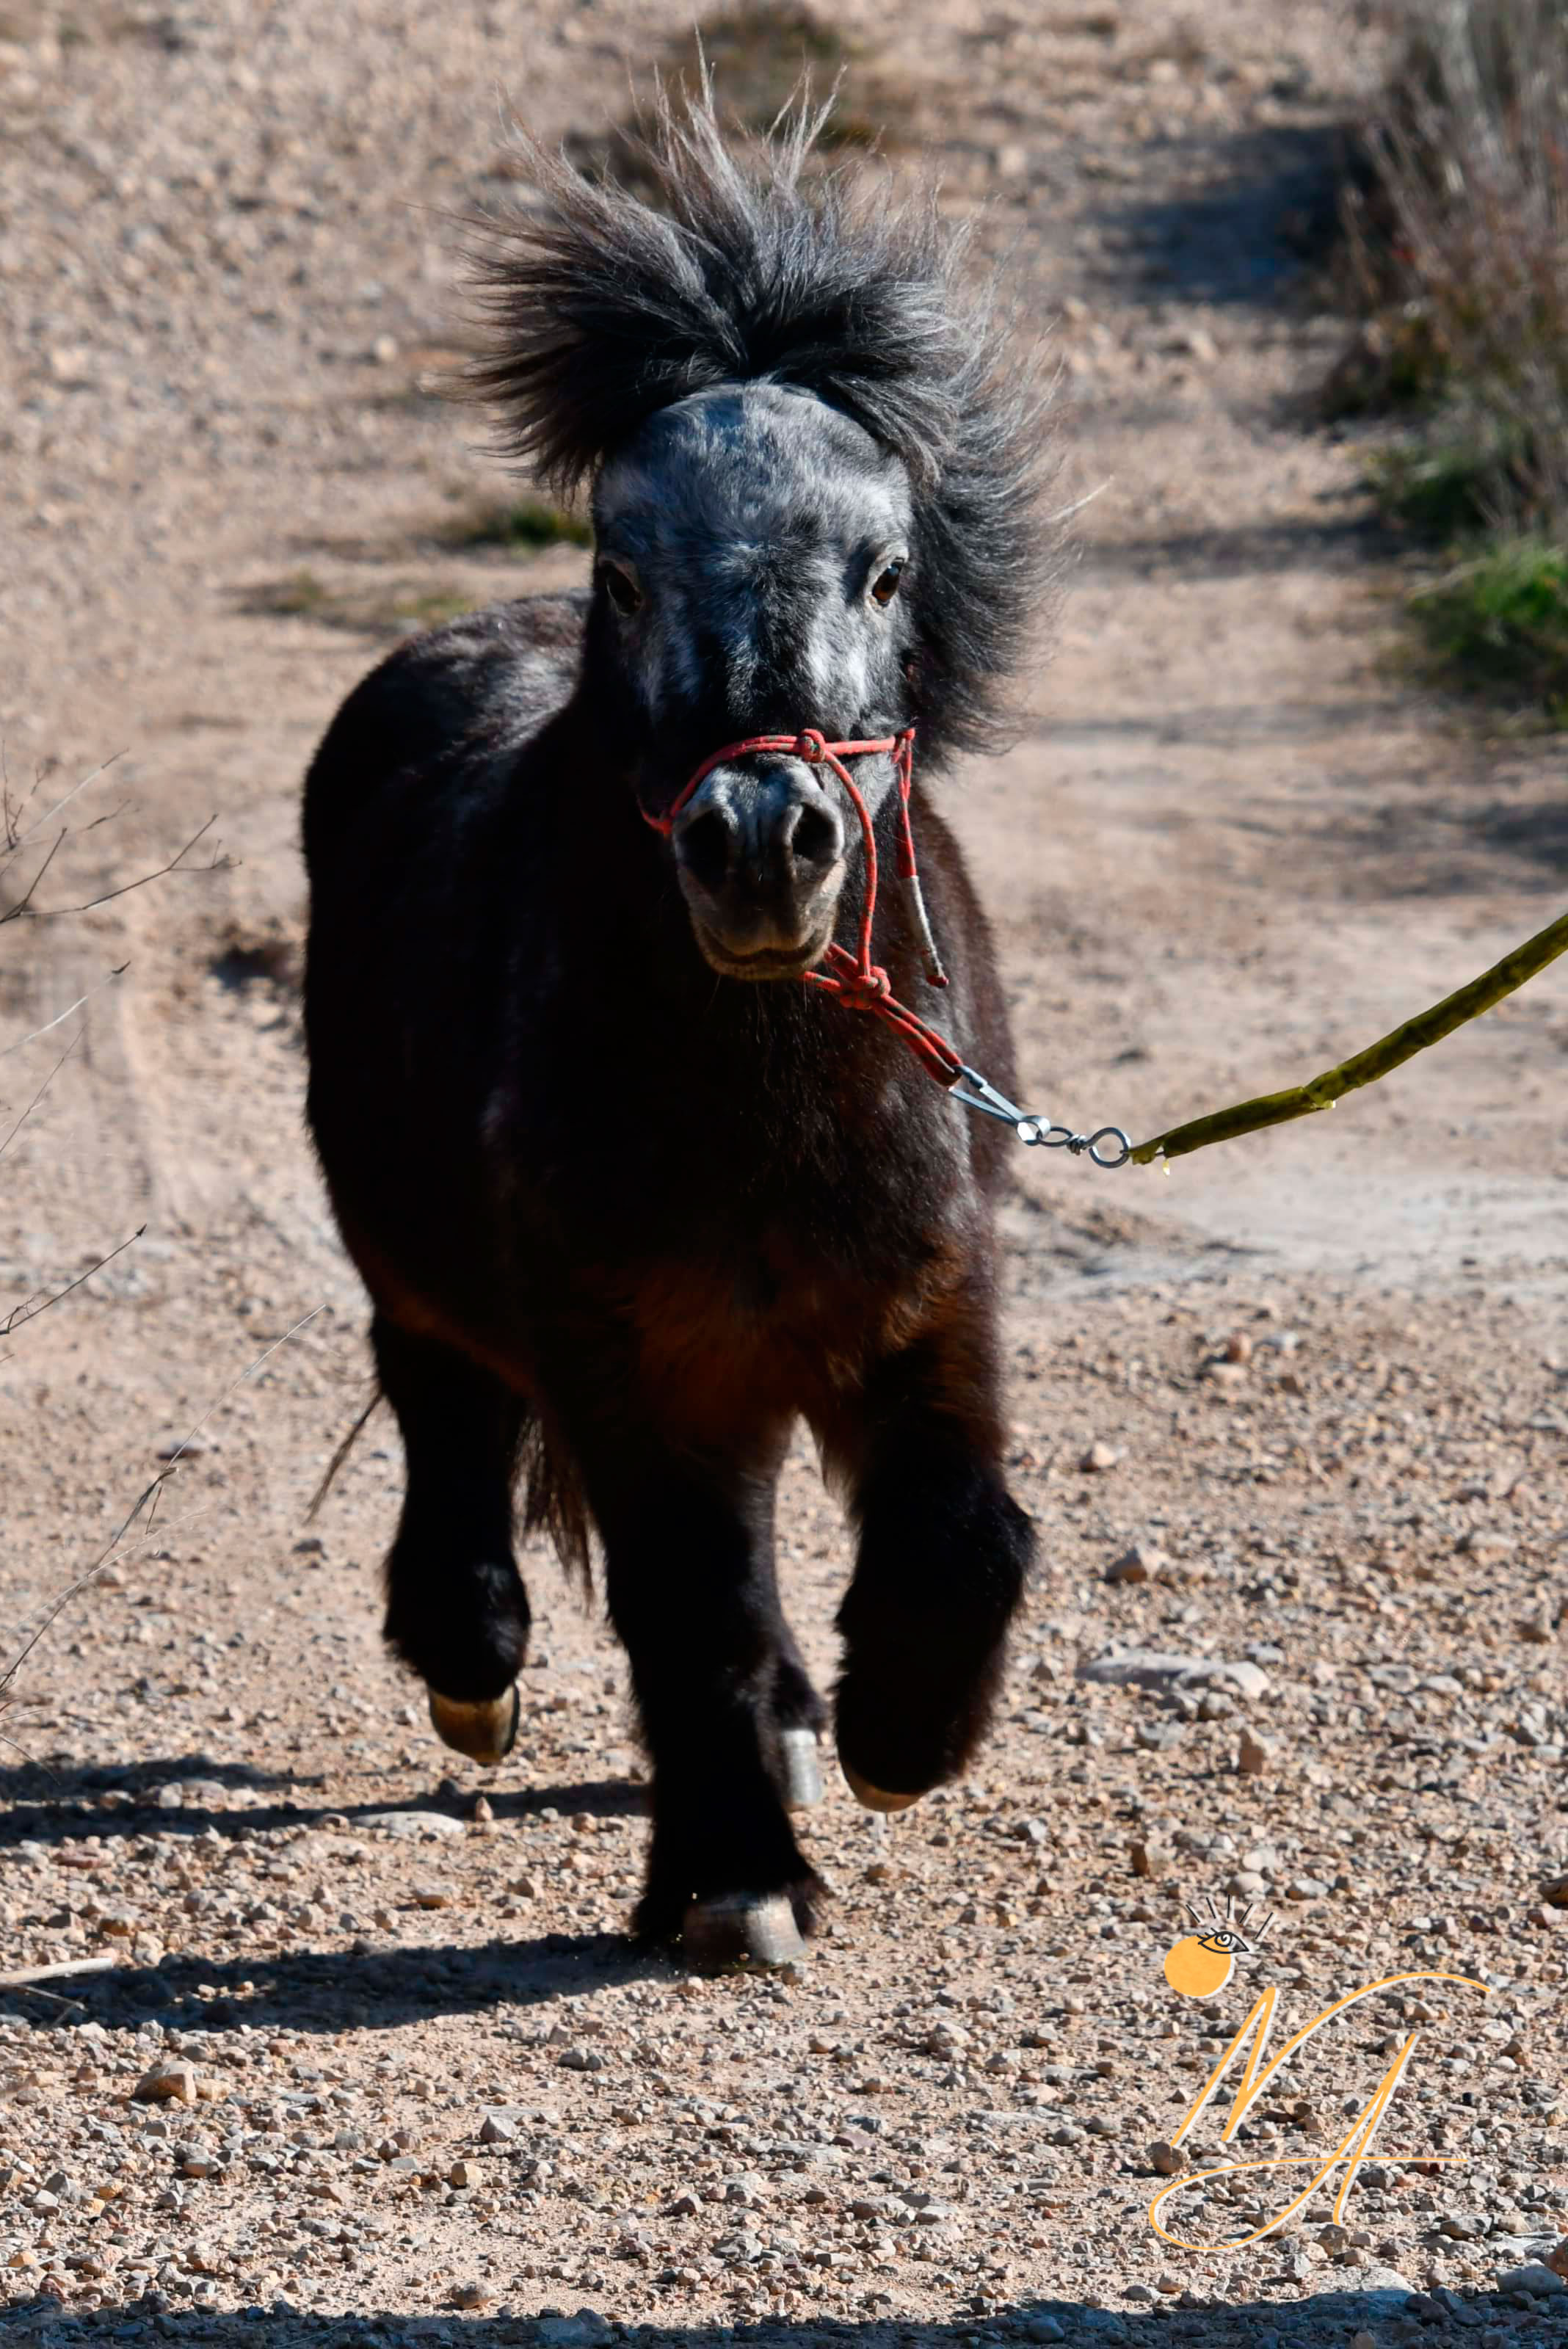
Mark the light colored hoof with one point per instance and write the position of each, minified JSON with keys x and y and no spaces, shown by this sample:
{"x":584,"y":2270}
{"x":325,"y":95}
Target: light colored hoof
{"x":874,"y":1799}
{"x":742,"y":1929}
{"x":485,"y":1731}
{"x":802,"y":1771}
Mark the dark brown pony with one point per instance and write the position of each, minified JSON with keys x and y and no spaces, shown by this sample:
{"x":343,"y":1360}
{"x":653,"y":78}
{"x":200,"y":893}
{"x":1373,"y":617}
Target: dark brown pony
{"x":630,"y":1200}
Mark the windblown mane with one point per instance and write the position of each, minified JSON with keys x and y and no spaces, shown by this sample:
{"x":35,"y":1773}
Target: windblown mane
{"x":601,"y":309}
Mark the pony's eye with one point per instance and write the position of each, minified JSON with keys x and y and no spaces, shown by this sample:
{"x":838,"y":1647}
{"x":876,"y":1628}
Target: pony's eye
{"x":621,"y":588}
{"x":885,"y":586}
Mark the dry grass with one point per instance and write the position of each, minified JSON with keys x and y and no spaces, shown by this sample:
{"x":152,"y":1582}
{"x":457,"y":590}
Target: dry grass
{"x":395,"y":608}
{"x":1459,"y":247}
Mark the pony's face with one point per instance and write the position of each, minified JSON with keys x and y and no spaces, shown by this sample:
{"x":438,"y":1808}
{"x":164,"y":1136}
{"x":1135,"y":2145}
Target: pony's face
{"x":752,"y":570}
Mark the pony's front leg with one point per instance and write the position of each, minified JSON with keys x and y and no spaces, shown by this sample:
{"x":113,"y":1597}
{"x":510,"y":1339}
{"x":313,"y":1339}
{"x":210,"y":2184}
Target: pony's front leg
{"x":944,"y":1555}
{"x":690,"y":1579}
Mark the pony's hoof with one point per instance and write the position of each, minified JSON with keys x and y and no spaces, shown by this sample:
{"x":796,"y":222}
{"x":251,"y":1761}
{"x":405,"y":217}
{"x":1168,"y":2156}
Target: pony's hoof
{"x":870,"y":1797}
{"x":742,"y":1929}
{"x":486,"y":1730}
{"x":803,"y":1771}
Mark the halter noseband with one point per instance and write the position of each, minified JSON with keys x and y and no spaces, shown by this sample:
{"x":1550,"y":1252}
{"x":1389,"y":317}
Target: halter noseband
{"x":858,"y":983}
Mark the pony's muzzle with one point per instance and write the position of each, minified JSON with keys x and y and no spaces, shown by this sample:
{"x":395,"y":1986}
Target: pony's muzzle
{"x":761,"y":860}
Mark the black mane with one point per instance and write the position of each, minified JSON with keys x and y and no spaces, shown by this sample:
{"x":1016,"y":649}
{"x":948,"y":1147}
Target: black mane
{"x":601,"y":309}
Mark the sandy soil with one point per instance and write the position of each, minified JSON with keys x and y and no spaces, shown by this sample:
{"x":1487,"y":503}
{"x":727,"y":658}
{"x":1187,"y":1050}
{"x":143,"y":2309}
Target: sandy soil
{"x":434,"y":2092}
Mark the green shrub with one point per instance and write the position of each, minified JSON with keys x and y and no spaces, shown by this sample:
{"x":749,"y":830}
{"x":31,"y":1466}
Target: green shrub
{"x":1498,"y":622}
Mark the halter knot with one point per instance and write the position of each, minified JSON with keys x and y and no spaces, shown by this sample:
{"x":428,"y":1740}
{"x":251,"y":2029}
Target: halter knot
{"x":812,"y":747}
{"x":867,"y":990}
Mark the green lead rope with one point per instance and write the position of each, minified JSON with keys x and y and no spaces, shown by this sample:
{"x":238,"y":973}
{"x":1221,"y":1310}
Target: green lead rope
{"x":1389,"y":1052}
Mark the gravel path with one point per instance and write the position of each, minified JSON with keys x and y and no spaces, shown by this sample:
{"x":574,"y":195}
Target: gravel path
{"x":370,"y":2057}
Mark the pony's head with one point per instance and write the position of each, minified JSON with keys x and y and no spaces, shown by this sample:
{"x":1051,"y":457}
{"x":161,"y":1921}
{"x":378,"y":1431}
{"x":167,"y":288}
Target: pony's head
{"x":815,"y":497}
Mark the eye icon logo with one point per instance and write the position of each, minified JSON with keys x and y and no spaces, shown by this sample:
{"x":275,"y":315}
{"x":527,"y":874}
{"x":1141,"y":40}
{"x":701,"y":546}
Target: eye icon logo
{"x":1203,"y":1963}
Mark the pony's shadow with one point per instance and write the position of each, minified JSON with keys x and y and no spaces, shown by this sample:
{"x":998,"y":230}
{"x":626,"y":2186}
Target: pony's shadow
{"x":334,"y":1991}
{"x":51,"y":1806}
{"x":1327,"y":2317}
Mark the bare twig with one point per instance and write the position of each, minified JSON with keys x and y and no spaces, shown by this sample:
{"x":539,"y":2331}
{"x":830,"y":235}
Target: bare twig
{"x":29,"y":1311}
{"x":31,"y":1974}
{"x":25,"y":902}
{"x":38,"y":1096}
{"x":146,"y":1499}
{"x":221,"y":862}
{"x":109,"y":977}
{"x":19,"y":838}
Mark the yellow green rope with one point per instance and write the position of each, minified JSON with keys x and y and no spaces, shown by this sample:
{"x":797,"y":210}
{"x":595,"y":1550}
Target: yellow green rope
{"x":1389,"y":1051}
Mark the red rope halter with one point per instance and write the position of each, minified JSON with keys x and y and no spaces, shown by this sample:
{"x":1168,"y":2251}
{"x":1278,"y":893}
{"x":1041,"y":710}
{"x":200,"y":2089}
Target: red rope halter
{"x":860,"y":983}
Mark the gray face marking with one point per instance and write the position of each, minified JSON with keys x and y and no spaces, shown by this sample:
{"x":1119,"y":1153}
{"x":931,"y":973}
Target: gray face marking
{"x":740,"y":535}
{"x":755,"y":521}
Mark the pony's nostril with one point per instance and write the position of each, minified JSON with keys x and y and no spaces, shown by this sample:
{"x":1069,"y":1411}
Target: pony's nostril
{"x":816,"y":839}
{"x":705,"y":846}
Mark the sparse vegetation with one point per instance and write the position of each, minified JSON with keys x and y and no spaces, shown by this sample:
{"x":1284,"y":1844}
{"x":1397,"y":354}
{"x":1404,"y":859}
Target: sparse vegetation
{"x":1498,"y":622}
{"x":1458,"y":245}
{"x":393,"y":609}
{"x":525,"y":525}
{"x":757,"y":54}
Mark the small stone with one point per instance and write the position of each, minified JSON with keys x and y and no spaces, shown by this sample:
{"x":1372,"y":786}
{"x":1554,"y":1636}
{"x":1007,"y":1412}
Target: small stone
{"x":1042,"y":2328}
{"x":458,"y":2175}
{"x":586,"y":2330}
{"x":1535,"y":2280}
{"x":384,"y":351}
{"x":1150,"y":1857}
{"x":580,"y":2059}
{"x":1229,"y":1377}
{"x":496,"y":2129}
{"x":1362,"y":2340}
{"x":1168,"y":2159}
{"x":1557,"y":2260}
{"x":414,"y":1826}
{"x":432,"y":1896}
{"x":1539,"y":1629}
{"x":482,"y":1814}
{"x":469,"y":2295}
{"x":1142,"y":1563}
{"x":1238,"y":1347}
{"x":1098,"y":1458}
{"x":1253,"y":1754}
{"x":167,"y":2084}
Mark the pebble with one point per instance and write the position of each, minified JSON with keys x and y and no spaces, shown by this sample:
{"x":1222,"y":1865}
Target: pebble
{"x":496,"y":2129}
{"x":1098,"y":1458}
{"x":1153,"y":1668}
{"x":586,"y":2330}
{"x":167,"y":2084}
{"x":1536,"y":2279}
{"x":1168,"y":2159}
{"x":414,"y":1826}
{"x":1253,"y":1754}
{"x":1142,"y":1563}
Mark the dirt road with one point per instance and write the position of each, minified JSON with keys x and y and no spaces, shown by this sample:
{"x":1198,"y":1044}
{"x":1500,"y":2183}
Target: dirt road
{"x":1324,"y":1370}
